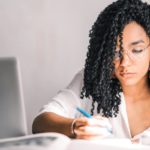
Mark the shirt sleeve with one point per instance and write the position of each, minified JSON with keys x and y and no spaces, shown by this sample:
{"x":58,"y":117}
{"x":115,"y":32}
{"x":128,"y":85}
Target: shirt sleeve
{"x":66,"y":99}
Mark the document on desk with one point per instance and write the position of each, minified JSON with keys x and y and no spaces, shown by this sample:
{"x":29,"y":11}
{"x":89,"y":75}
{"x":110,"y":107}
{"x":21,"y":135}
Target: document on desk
{"x":106,"y":144}
{"x":55,"y":141}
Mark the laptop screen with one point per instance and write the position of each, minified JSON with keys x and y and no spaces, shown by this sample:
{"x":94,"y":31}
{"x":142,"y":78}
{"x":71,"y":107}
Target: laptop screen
{"x":12,"y":111}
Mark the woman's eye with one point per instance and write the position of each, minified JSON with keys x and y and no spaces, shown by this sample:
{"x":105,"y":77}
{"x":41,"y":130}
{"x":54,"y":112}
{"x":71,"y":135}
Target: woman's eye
{"x":137,"y":50}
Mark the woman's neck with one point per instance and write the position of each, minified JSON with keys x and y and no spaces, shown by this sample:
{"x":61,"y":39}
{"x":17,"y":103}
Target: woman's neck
{"x":136,"y":92}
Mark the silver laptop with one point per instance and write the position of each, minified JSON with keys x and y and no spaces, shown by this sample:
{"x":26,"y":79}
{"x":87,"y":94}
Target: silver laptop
{"x":12,"y":111}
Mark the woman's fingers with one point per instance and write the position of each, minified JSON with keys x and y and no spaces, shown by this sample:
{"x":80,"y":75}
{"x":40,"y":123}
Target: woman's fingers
{"x":81,"y":122}
{"x":86,"y":135}
{"x":92,"y":128}
{"x":101,"y":122}
{"x":83,"y":131}
{"x":89,"y":137}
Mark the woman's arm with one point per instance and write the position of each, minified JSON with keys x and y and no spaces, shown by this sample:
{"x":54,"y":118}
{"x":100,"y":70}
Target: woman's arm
{"x":84,"y":128}
{"x":52,"y":122}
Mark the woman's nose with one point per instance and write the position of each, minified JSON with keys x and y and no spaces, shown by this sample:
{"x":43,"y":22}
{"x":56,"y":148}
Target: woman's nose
{"x":126,"y":59}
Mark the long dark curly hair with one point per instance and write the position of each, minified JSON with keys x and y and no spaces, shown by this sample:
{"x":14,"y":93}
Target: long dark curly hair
{"x":99,"y":83}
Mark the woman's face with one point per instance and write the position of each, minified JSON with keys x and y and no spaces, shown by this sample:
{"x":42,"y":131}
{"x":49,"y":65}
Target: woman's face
{"x":132,"y":68}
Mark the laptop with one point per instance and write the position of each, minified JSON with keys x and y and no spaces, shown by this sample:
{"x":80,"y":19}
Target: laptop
{"x":12,"y":110}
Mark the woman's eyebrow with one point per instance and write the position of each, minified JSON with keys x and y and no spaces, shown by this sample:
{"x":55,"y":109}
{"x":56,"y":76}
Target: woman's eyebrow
{"x":133,"y":43}
{"x":137,"y":42}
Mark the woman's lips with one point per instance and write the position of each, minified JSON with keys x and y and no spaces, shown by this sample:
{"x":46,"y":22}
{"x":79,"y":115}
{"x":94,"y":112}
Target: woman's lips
{"x":127,"y":75}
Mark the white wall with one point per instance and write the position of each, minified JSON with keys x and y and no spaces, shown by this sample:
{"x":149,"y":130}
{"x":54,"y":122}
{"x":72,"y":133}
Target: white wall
{"x":50,"y":38}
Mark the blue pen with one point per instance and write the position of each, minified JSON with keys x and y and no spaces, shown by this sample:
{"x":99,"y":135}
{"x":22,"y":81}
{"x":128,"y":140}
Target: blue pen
{"x":86,"y":114}
{"x":82,"y":111}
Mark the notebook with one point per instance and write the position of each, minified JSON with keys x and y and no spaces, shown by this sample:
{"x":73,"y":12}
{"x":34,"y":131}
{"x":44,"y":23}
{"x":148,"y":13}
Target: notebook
{"x":12,"y":111}
{"x":56,"y":141}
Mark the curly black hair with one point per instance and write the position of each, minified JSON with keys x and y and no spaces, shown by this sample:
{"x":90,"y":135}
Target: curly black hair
{"x":99,"y":85}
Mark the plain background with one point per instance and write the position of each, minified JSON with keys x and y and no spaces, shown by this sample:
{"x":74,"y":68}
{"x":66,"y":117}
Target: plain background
{"x":50,"y":39}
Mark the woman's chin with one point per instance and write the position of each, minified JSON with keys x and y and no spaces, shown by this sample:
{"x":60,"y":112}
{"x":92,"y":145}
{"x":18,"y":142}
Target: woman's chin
{"x":128,"y":82}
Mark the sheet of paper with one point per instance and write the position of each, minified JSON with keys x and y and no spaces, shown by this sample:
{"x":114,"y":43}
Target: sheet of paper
{"x":106,"y":144}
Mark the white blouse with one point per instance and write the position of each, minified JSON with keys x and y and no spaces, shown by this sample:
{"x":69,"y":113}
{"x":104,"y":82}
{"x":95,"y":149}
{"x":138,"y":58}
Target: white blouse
{"x":66,"y":100}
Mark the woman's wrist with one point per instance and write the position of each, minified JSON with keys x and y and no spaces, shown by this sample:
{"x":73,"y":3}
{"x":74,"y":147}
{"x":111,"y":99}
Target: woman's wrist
{"x":72,"y":128}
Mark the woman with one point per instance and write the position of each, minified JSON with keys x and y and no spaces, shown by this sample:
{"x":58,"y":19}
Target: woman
{"x":115,"y":82}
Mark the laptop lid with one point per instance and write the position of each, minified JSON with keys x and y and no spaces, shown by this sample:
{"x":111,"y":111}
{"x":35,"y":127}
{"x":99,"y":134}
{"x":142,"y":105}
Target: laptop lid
{"x":12,"y":111}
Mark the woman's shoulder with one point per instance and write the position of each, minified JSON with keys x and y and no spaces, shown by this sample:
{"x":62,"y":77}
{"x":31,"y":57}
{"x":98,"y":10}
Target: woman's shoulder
{"x":79,"y":74}
{"x":76,"y":83}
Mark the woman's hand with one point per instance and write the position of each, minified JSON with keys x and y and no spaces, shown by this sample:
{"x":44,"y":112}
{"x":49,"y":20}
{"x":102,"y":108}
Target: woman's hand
{"x":93,"y":128}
